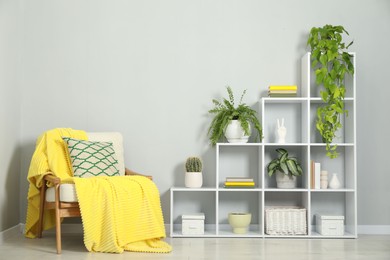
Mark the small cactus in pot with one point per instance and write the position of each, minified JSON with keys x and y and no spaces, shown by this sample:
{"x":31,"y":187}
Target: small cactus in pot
{"x":194,"y":164}
{"x":193,"y":177}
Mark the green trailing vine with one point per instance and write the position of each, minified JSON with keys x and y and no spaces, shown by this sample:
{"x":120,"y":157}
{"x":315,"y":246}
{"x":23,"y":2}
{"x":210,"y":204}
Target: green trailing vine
{"x":331,"y":62}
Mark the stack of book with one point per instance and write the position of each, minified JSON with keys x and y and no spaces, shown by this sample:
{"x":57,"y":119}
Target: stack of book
{"x":239,"y":182}
{"x":282,"y":91}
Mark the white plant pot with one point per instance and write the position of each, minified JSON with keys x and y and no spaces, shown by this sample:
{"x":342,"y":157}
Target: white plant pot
{"x":285,"y":181}
{"x":235,"y":134}
{"x":193,"y":179}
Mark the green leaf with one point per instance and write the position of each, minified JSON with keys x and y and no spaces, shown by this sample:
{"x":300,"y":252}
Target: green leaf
{"x":324,"y":59}
{"x":283,"y":167}
{"x":281,"y":151}
{"x":292,"y":167}
{"x":324,"y":95}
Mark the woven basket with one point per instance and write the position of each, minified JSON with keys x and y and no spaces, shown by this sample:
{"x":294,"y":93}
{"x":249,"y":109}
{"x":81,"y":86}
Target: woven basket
{"x":285,"y":221}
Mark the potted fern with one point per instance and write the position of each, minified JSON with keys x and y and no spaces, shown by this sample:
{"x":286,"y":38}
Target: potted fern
{"x":233,"y":122}
{"x":193,"y":176}
{"x":286,"y":169}
{"x":331,"y":62}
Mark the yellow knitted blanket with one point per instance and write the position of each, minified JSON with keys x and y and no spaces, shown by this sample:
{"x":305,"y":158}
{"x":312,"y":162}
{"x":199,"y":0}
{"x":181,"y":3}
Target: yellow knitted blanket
{"x":121,"y":213}
{"x":50,"y":155}
{"x":118,"y":213}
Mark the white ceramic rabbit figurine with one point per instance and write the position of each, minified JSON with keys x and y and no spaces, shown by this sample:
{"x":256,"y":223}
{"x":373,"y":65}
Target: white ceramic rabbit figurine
{"x":282,"y":132}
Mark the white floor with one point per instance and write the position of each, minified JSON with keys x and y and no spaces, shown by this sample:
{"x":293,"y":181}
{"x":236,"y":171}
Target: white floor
{"x":365,"y":247}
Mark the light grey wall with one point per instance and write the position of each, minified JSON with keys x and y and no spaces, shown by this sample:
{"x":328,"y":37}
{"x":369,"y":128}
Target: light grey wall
{"x":149,"y":69}
{"x":10,"y":105}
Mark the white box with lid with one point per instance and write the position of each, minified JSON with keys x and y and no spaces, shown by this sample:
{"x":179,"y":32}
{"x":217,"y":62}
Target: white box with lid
{"x":192,"y":224}
{"x":330,"y":225}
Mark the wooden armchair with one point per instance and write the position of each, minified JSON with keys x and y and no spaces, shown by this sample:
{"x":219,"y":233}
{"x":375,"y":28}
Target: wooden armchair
{"x":62,"y":197}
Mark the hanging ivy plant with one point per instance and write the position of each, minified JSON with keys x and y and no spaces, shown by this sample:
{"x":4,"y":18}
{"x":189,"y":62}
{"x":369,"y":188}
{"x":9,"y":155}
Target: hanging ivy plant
{"x":331,"y":62}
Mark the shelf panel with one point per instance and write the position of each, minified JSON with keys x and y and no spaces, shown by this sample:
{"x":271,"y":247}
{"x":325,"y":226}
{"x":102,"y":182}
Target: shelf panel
{"x":210,"y":231}
{"x":286,"y":236}
{"x":222,"y":189}
{"x":193,"y":189}
{"x":314,"y":234}
{"x":285,"y":190}
{"x":286,"y":144}
{"x":338,"y":144}
{"x":332,"y":190}
{"x":225,"y":230}
{"x":239,"y":144}
{"x":285,"y":100}
{"x":319,"y":99}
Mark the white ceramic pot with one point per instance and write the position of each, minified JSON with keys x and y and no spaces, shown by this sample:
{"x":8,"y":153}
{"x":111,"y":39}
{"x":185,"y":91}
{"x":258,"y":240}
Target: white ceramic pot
{"x":193,"y":179}
{"x":285,"y":181}
{"x":239,"y":222}
{"x":235,"y":134}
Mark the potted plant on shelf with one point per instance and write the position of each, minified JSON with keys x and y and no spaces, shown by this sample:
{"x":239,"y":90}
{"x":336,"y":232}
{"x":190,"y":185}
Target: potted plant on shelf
{"x":331,"y":63}
{"x":286,"y":168}
{"x":193,"y":176}
{"x":233,"y":122}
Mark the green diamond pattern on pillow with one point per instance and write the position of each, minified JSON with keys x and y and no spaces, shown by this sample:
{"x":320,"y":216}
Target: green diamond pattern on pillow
{"x":92,"y":158}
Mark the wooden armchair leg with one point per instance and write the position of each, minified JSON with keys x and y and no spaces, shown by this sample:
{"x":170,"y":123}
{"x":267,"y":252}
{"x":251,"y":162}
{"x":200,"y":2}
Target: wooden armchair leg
{"x":58,"y":219}
{"x":41,"y":209}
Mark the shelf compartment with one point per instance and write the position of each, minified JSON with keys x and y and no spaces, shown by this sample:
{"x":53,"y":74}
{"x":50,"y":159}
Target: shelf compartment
{"x":187,"y":201}
{"x":344,"y":165}
{"x":238,"y":161}
{"x":337,"y":203}
{"x":239,"y":201}
{"x":344,"y":135}
{"x":295,"y":114}
{"x":296,"y":198}
{"x":300,"y":152}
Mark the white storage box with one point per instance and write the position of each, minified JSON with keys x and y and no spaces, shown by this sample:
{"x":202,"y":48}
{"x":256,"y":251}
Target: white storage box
{"x":328,"y":225}
{"x":285,"y":221}
{"x":192,"y":224}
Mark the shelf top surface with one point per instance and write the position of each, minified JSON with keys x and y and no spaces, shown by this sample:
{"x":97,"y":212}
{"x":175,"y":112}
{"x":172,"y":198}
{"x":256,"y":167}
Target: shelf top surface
{"x":284,"y":144}
{"x":297,"y":99}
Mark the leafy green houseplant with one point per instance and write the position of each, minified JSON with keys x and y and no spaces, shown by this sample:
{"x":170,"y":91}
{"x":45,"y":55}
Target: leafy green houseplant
{"x":331,"y":62}
{"x":226,"y":111}
{"x":286,"y":168}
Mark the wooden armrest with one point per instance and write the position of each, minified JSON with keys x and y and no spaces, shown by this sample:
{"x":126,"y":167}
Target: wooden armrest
{"x":130,"y":172}
{"x":51,"y":178}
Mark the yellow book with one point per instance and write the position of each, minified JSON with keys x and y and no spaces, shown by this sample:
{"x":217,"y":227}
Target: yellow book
{"x":241,"y":183}
{"x":292,"y":87}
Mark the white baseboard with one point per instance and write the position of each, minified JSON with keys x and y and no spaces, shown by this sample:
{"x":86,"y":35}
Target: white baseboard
{"x":78,"y":229}
{"x":374,"y":229}
{"x":11,"y":232}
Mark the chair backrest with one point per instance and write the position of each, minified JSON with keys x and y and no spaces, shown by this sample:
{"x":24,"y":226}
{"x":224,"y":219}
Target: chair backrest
{"x":117,"y":141}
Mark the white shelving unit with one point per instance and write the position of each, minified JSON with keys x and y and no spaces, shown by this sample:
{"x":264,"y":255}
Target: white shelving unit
{"x":251,"y":159}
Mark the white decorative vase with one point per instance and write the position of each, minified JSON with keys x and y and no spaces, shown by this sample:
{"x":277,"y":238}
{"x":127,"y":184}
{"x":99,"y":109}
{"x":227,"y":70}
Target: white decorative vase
{"x":324,"y":179}
{"x":334,"y":182}
{"x":193,"y":179}
{"x":239,"y":222}
{"x":285,"y":181}
{"x":235,"y":134}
